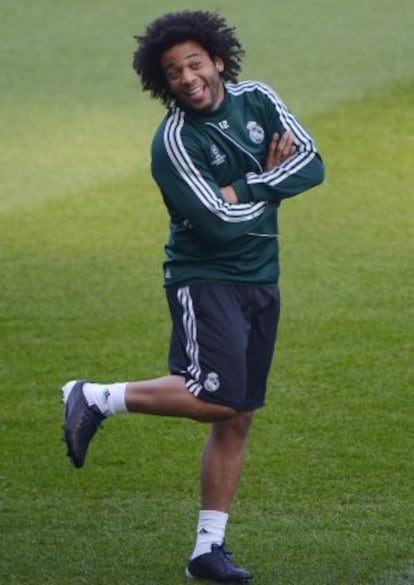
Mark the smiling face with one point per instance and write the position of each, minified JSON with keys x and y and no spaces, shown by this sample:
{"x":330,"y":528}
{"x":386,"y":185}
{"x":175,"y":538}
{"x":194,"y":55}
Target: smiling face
{"x":193,"y":77}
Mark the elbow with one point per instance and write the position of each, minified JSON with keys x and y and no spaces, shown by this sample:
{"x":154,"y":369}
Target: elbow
{"x":319,"y":171}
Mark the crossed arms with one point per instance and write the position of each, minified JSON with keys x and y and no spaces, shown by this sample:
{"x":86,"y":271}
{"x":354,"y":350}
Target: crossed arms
{"x":280,"y":149}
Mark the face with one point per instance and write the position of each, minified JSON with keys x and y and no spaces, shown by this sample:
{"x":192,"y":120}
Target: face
{"x":193,"y":78}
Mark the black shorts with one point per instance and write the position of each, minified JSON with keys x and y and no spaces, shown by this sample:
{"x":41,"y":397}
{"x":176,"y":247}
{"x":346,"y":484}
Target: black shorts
{"x":223,"y":339}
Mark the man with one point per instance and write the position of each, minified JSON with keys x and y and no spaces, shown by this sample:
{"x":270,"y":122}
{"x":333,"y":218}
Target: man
{"x":224,"y":157}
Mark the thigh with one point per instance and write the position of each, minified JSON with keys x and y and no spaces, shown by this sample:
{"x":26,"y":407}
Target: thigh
{"x":265,"y":302}
{"x":209,"y":341}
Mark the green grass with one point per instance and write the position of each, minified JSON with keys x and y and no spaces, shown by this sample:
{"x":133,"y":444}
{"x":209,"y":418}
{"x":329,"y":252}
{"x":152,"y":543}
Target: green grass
{"x":326,"y":497}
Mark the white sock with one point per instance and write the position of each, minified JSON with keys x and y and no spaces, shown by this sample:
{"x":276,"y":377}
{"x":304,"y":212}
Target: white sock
{"x":109,"y":398}
{"x":210,"y":530}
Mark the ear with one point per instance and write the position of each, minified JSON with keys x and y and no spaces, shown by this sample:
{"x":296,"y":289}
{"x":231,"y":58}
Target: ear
{"x":219,"y":63}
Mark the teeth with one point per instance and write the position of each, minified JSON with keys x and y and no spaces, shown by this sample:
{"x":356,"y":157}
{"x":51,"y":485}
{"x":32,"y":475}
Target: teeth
{"x":196,"y":91}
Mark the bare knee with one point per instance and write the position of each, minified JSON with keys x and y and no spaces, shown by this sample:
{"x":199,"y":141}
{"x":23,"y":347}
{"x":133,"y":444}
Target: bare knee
{"x":209,"y":412}
{"x":226,"y":417}
{"x":237,"y":425}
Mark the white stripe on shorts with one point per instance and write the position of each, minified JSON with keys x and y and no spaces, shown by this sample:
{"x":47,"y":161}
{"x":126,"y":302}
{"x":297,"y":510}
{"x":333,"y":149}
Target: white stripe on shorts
{"x":190,"y":330}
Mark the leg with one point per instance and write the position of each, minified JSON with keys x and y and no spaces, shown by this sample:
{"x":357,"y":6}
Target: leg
{"x":225,"y":449}
{"x":223,"y":461}
{"x":169,"y":396}
{"x":87,"y":404}
{"x":221,"y":469}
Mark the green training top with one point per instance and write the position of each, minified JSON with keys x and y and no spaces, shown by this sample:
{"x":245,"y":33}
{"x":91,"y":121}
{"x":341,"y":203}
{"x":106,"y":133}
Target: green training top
{"x":195,"y":154}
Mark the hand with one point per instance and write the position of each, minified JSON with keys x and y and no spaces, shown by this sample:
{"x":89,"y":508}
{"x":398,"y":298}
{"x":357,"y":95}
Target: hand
{"x":280,"y":148}
{"x":229,"y":194}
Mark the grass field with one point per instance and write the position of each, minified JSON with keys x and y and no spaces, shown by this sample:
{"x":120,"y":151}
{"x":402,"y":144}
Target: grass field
{"x":327,"y":493}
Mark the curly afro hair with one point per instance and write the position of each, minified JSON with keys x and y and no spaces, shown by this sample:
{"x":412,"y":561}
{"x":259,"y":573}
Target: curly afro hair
{"x":209,"y":29}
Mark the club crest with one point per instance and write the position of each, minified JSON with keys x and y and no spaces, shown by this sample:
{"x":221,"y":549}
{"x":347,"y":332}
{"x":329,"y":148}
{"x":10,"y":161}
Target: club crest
{"x":212,"y":382}
{"x":256,"y":132}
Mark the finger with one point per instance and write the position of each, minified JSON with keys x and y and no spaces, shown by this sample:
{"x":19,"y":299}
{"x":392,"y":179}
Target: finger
{"x":285,"y":145}
{"x":273,"y":144}
{"x":283,"y":149}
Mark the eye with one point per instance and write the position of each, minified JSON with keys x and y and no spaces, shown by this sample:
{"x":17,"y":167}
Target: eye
{"x":196,"y":64}
{"x":173,"y":74}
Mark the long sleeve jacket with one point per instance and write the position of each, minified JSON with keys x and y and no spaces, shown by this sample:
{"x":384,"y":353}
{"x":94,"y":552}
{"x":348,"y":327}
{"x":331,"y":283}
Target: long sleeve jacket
{"x":195,"y":154}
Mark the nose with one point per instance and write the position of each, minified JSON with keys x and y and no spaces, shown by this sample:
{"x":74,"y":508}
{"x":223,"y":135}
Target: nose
{"x":187,"y":75}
